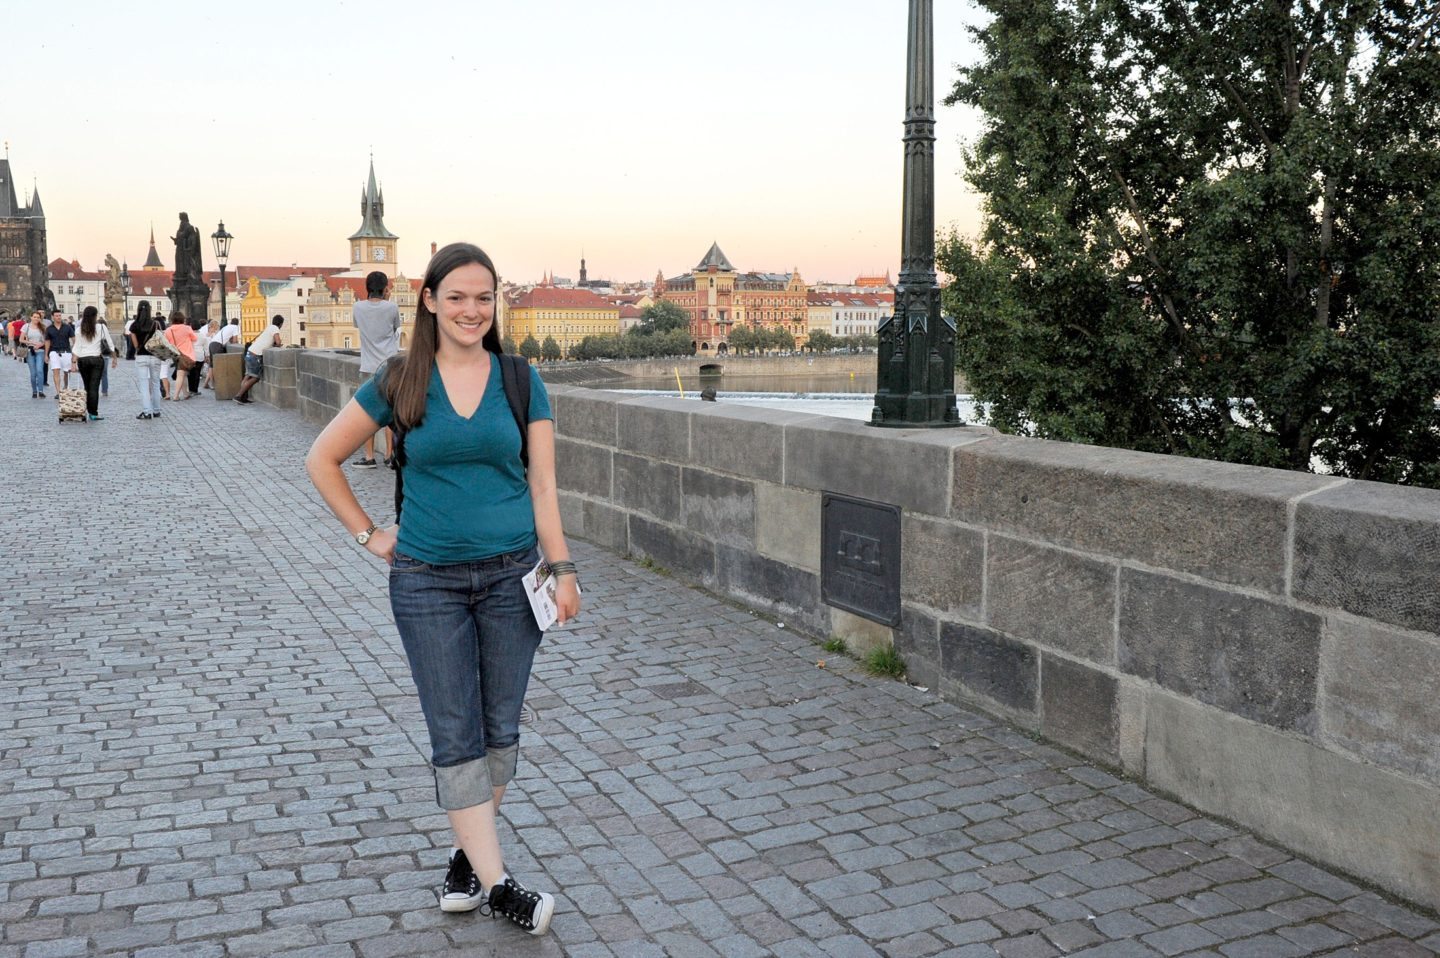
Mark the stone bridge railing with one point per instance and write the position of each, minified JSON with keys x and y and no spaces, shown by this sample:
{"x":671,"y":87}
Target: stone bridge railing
{"x":1264,"y":645}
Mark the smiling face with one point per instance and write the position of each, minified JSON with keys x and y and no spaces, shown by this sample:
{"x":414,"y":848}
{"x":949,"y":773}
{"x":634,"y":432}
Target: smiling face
{"x":464,"y":307}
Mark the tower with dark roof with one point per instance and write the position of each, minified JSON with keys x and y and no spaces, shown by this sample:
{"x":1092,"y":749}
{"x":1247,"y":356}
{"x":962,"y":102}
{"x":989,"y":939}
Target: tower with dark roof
{"x":23,"y":255}
{"x":372,"y":246}
{"x":152,"y":262}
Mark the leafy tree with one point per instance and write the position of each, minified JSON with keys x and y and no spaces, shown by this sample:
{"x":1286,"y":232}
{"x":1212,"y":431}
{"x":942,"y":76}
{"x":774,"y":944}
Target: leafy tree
{"x":1209,"y":229}
{"x":743,"y":339}
{"x":821,"y":342}
{"x":507,"y":343}
{"x":530,"y":348}
{"x":550,"y":350}
{"x":662,"y":316}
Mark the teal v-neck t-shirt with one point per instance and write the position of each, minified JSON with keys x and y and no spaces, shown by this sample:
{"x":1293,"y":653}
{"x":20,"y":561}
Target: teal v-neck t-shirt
{"x":466,"y":497}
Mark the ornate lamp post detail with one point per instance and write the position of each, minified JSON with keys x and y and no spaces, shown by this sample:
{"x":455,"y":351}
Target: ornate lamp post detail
{"x":126,"y":286}
{"x":222,"y":253}
{"x":916,"y":376}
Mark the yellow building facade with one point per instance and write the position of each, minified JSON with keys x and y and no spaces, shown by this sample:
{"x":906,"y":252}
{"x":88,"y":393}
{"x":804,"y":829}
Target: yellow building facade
{"x":568,"y":315}
{"x":253,"y":314}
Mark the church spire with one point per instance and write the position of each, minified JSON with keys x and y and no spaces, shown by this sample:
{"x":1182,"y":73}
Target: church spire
{"x":372,"y":209}
{"x":153,"y":260}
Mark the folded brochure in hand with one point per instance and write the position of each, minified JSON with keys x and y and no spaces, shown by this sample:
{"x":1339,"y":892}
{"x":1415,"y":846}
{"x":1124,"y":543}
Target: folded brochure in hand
{"x":540,"y":589}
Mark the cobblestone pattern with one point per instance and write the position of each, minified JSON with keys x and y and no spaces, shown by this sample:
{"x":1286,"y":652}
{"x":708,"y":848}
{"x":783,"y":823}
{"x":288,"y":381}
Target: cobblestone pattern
{"x":209,"y":746}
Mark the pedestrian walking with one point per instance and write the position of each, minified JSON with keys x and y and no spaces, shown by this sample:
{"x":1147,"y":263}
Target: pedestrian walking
{"x":255,"y":358}
{"x":93,"y":349}
{"x":378,"y":320}
{"x":205,"y":348}
{"x":182,"y":338}
{"x":147,"y":366}
{"x":17,"y":333}
{"x":59,"y":341}
{"x":33,"y":337}
{"x":468,"y":528}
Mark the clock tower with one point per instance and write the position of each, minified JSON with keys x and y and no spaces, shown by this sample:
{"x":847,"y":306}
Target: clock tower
{"x":372,"y":246}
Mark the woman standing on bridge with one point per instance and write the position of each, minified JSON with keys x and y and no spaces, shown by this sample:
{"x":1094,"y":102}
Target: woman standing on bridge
{"x":472,"y":514}
{"x":93,"y":347}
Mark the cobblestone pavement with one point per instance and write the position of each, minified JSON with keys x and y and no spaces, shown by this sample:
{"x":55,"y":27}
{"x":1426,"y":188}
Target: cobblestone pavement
{"x":209,"y":746}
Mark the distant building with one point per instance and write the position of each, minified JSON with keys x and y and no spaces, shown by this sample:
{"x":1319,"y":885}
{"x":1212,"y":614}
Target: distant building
{"x":75,"y":288}
{"x":719,"y":298}
{"x":569,"y":315}
{"x":23,"y":256}
{"x":859,"y":314}
{"x":874,"y":282}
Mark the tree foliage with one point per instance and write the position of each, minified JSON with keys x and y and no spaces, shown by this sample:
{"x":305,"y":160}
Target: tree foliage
{"x":759,"y":339}
{"x":663,"y":316}
{"x":530,"y":348}
{"x":634,"y":344}
{"x":1210,"y":229}
{"x":550,"y":349}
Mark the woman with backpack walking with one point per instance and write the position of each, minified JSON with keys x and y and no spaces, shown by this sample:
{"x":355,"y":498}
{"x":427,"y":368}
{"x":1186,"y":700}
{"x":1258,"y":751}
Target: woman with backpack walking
{"x":472,"y":517}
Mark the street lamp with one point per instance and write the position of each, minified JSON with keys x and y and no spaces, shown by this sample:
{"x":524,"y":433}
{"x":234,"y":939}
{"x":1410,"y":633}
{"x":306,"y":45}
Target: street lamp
{"x":222,"y":253}
{"x":916,"y":372}
{"x":125,"y":282}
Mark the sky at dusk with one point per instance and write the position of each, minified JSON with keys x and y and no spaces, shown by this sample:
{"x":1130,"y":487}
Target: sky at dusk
{"x":638,"y":131}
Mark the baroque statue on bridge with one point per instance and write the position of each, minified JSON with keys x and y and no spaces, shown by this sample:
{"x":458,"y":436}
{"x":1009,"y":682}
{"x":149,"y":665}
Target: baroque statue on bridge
{"x":188,"y":271}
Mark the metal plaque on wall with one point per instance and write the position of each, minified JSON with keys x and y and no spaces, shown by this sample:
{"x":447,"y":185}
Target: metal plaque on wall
{"x":860,"y":557}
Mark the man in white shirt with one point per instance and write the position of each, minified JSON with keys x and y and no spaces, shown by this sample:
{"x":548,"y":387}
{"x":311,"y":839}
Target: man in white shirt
{"x":378,"y":321}
{"x":255,"y":358}
{"x":229,"y":334}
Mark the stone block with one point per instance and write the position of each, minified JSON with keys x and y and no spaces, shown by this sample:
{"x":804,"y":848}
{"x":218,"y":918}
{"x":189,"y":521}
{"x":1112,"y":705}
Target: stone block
{"x":861,"y":635}
{"x":607,"y":526}
{"x":675,"y":549}
{"x":646,"y":486}
{"x":884,"y":465}
{"x":1367,"y":547}
{"x":745,"y":440}
{"x":1052,"y":597}
{"x":1212,"y":519}
{"x":1256,"y":658}
{"x":1380,"y":696}
{"x":583,"y":468}
{"x":655,"y":427}
{"x":718,"y":506}
{"x":752,"y":578}
{"x":585,"y":414}
{"x":1333,"y":808}
{"x":918,"y":642}
{"x":572,"y":514}
{"x":1080,"y":707}
{"x":787,"y":525}
{"x":942,"y":565}
{"x":986,"y":663}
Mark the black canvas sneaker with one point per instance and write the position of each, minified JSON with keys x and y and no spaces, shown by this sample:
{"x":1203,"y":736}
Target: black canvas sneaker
{"x":462,"y":886}
{"x":530,"y":910}
{"x":363,"y":464}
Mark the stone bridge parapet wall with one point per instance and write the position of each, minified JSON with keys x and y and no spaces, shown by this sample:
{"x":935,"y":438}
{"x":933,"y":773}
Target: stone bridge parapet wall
{"x":1265,"y":645}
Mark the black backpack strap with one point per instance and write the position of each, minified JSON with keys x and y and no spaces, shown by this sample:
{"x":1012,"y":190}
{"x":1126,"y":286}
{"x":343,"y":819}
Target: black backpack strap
{"x":515,"y":372}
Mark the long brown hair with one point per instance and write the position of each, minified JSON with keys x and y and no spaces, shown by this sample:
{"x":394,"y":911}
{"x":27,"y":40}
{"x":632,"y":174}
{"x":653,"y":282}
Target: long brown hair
{"x":407,"y":378}
{"x":87,"y":322}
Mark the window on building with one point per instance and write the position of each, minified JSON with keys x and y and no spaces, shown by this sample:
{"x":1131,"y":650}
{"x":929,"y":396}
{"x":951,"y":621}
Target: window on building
{"x":302,"y":310}
{"x":347,"y":342}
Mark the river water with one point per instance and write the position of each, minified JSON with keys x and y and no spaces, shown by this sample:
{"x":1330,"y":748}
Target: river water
{"x":842,"y":395}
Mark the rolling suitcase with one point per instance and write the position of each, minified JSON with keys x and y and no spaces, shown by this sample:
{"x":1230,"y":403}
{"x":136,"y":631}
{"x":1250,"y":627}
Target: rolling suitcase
{"x":72,"y":405}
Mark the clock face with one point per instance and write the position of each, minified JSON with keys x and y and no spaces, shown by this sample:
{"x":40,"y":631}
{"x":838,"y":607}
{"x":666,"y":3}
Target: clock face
{"x":379,"y":254}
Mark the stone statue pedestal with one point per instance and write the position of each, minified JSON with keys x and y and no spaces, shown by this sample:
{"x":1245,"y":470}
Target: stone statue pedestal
{"x":115,"y":314}
{"x":193,"y":301}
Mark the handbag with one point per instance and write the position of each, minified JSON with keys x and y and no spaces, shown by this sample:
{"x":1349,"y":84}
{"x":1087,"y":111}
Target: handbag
{"x":106,"y":349}
{"x":159,"y":347}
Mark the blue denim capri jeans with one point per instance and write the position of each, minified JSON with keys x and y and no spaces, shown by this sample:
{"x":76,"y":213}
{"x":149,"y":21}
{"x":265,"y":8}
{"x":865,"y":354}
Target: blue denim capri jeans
{"x":471,"y":637}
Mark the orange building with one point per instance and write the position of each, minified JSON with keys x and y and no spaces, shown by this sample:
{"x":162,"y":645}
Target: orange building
{"x":718,"y":298}
{"x":874,"y":282}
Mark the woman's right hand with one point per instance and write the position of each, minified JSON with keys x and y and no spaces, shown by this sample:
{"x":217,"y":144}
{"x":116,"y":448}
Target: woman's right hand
{"x":382,"y":543}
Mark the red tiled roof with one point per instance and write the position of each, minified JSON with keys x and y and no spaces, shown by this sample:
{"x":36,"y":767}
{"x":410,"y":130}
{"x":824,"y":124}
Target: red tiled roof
{"x":285,"y":272}
{"x":630,"y":311}
{"x":555,"y":297}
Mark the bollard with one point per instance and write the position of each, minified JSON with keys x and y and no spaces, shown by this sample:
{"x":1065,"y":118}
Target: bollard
{"x":229,"y":370}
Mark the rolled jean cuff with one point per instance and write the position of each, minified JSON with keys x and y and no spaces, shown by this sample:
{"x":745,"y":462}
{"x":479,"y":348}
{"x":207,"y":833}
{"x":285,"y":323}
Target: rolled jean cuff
{"x":473,"y":782}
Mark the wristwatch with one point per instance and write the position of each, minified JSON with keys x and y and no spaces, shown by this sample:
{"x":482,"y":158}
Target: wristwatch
{"x":364,"y":537}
